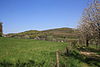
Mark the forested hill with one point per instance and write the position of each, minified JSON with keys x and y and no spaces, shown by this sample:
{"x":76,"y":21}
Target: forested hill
{"x":58,"y":34}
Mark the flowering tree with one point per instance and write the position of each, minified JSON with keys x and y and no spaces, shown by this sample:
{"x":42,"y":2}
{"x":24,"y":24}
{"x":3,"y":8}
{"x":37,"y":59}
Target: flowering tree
{"x":89,"y":26}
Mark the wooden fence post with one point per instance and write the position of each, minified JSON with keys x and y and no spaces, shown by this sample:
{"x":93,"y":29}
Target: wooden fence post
{"x":57,"y":58}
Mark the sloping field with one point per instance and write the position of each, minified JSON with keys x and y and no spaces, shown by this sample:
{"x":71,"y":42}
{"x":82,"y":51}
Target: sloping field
{"x":24,"y":51}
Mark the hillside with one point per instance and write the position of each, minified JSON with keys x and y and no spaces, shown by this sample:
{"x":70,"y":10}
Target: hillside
{"x":58,"y":34}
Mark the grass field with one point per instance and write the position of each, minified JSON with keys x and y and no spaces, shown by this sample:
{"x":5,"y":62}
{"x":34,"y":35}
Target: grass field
{"x":23,"y":51}
{"x":35,"y":53}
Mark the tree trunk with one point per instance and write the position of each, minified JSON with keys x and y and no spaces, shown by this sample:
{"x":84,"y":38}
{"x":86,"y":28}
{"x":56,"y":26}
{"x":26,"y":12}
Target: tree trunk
{"x":87,"y":43}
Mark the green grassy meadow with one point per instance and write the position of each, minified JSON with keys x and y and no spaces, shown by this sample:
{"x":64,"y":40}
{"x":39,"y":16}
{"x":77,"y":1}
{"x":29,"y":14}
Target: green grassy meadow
{"x":13,"y":50}
{"x":36,"y":53}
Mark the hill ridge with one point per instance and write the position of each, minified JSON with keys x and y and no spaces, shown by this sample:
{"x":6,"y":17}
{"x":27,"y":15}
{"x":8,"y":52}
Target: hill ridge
{"x":57,"y":34}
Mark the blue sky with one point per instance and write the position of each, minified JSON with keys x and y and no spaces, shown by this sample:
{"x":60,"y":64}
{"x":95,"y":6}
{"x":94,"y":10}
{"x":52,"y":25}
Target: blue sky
{"x":22,"y":15}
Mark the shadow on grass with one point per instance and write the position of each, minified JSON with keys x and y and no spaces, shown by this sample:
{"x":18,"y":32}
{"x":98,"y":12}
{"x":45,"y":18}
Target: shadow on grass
{"x":89,"y":49}
{"x":30,"y":63}
{"x":89,"y":60}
